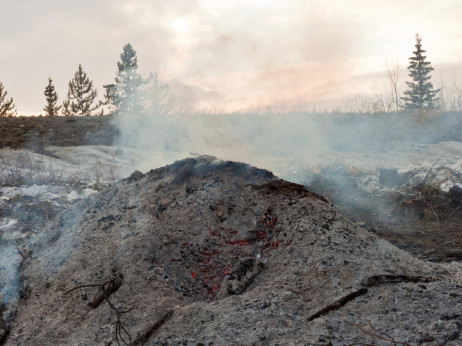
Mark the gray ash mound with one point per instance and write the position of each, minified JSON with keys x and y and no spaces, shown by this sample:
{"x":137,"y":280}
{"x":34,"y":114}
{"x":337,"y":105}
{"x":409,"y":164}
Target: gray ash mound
{"x":206,"y":251}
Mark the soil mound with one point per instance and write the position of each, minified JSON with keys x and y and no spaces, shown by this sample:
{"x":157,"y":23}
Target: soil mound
{"x":205,"y":251}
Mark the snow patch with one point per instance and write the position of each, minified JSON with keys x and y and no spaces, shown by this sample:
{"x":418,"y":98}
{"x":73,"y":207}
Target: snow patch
{"x":446,"y":186}
{"x":6,"y":224}
{"x":76,"y":195}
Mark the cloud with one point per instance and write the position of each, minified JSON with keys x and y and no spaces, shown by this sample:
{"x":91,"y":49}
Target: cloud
{"x":228,"y":54}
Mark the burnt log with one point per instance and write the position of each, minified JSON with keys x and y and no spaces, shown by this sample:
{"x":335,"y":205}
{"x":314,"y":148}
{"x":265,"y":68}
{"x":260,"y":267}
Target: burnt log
{"x":105,"y":291}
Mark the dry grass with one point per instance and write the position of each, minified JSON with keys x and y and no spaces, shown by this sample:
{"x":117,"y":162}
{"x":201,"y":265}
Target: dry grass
{"x":38,"y":132}
{"x":22,"y":167}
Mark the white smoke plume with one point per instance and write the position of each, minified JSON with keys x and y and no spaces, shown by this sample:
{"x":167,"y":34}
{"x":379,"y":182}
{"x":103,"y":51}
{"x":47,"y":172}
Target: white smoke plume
{"x":289,"y":142}
{"x":352,"y":158}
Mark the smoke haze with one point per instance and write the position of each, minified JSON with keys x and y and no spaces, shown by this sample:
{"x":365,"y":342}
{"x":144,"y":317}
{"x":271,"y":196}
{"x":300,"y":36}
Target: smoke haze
{"x":285,"y":142}
{"x":225,"y":55}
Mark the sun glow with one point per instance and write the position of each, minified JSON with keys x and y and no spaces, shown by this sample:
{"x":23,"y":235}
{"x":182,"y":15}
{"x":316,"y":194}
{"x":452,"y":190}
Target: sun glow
{"x":180,"y":25}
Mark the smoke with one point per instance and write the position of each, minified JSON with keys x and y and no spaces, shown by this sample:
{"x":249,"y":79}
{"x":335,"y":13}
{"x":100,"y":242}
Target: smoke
{"x":254,"y":139}
{"x":12,"y":283}
{"x":283,"y":142}
{"x":357,"y":155}
{"x":352,"y":157}
{"x":9,"y":279}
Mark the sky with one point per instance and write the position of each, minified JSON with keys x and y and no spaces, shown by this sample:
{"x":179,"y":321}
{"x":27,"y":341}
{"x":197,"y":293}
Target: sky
{"x":227,"y":55}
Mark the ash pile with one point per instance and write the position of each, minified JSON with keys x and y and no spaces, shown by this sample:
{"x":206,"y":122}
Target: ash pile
{"x":207,"y":251}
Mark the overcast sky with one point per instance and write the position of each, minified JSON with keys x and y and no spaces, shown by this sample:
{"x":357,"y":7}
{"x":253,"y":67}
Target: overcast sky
{"x":226,"y":55}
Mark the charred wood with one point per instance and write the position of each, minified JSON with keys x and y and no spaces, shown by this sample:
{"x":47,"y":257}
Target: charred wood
{"x":105,"y":291}
{"x":393,"y":279}
{"x":338,"y":303}
{"x":144,"y":337}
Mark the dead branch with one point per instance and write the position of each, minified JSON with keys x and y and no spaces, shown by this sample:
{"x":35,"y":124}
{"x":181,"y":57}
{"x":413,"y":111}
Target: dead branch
{"x":338,"y":303}
{"x":141,"y":340}
{"x":455,"y":173}
{"x":454,"y":211}
{"x":79,"y":287}
{"x":457,"y":238}
{"x":431,"y":168}
{"x":20,"y":252}
{"x":373,"y":332}
{"x":106,"y":289}
{"x":122,"y":336}
{"x":4,"y":330}
{"x":120,"y":331}
{"x":376,"y":280}
{"x":434,"y":213}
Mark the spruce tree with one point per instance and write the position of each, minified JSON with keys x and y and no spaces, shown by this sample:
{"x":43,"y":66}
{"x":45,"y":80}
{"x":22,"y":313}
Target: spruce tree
{"x":124,"y":95}
{"x":420,"y":95}
{"x":52,"y":98}
{"x":81,"y":95}
{"x":7,"y":107}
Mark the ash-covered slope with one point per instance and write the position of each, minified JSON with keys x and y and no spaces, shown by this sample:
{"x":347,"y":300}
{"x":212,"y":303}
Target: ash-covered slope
{"x":209,"y":251}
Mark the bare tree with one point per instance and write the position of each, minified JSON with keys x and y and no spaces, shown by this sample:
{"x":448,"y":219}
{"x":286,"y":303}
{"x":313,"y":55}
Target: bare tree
{"x":450,"y":98}
{"x":384,"y":99}
{"x":442,"y":99}
{"x":384,"y":102}
{"x":455,"y":97}
{"x":363,"y":103}
{"x":393,"y":76}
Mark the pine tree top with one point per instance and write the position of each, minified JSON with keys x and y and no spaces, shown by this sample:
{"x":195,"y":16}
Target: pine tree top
{"x":7,"y":107}
{"x":80,"y":95}
{"x":52,"y":98}
{"x":128,"y":59}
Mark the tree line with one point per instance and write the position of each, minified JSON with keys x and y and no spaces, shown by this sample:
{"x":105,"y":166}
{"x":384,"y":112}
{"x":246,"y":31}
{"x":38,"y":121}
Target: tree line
{"x":129,"y":93}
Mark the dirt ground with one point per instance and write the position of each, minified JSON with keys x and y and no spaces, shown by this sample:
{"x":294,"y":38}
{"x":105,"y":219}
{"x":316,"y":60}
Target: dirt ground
{"x":422,"y":220}
{"x":216,"y":252}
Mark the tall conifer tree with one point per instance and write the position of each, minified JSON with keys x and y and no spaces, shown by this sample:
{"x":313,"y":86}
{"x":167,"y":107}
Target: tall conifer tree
{"x":124,"y":95}
{"x":52,"y":98}
{"x":7,"y":107}
{"x":420,"y":95}
{"x":81,"y":95}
